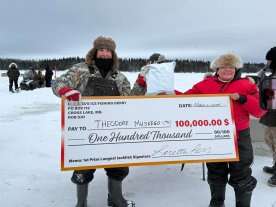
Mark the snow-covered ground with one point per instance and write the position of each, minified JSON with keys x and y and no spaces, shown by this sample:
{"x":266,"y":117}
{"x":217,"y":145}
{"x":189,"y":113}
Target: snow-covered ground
{"x":30,"y":173}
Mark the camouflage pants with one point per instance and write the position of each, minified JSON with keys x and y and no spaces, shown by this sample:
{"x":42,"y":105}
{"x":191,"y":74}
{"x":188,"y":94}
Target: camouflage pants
{"x":270,"y":139}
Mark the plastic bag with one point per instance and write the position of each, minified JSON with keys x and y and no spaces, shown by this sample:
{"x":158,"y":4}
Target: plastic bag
{"x":160,"y":78}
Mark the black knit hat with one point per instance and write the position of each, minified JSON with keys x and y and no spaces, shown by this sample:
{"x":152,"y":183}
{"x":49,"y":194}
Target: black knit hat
{"x":156,"y":58}
{"x":271,"y":54}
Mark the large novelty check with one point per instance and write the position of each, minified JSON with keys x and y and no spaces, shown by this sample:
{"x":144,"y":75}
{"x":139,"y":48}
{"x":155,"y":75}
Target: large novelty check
{"x":99,"y":132}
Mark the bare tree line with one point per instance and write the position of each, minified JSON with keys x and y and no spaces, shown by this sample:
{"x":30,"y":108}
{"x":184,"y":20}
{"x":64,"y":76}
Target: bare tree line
{"x":126,"y":64}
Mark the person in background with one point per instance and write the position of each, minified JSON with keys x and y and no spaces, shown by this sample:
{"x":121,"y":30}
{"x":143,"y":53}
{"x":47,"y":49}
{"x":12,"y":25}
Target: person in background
{"x":29,"y":74}
{"x":29,"y":81}
{"x":245,"y":97}
{"x":48,"y":76}
{"x":99,"y":75}
{"x":269,"y":119}
{"x":13,"y":74}
{"x":40,"y":79}
{"x":35,"y":77}
{"x":140,"y":86}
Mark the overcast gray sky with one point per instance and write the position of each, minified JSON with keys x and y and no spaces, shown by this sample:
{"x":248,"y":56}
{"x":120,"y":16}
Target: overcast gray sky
{"x":197,"y":29}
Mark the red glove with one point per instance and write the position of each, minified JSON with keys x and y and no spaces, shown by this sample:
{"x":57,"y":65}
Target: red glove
{"x":141,"y":81}
{"x":70,"y":94}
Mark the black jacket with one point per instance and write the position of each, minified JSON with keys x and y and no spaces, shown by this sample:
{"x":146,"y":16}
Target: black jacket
{"x":13,"y":73}
{"x":269,"y":119}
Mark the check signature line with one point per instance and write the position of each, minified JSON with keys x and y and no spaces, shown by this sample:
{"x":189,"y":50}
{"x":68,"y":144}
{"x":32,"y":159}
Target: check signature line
{"x":189,"y":155}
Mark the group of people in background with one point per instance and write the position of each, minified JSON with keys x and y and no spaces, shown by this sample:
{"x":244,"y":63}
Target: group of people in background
{"x":99,"y":75}
{"x":31,"y":79}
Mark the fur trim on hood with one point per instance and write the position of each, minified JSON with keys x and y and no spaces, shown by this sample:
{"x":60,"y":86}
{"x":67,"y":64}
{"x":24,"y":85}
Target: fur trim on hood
{"x":226,"y":60}
{"x":100,"y":43}
{"x":13,"y":65}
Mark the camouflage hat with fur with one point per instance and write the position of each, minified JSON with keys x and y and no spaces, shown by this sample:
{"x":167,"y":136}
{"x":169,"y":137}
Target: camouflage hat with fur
{"x":226,"y":60}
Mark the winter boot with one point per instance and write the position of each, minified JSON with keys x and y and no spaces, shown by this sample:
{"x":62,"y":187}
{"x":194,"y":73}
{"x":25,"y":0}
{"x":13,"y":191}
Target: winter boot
{"x":272,"y":181}
{"x":269,"y":170}
{"x":217,"y":195}
{"x":11,"y":90}
{"x":115,"y":195}
{"x":243,"y":199}
{"x":82,"y":192}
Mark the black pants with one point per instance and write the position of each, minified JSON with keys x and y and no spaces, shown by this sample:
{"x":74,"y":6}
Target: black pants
{"x":240,"y":172}
{"x":11,"y":81}
{"x":48,"y":82}
{"x":85,"y":176}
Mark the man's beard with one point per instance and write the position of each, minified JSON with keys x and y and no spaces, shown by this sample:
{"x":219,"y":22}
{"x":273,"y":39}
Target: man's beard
{"x":104,"y":65}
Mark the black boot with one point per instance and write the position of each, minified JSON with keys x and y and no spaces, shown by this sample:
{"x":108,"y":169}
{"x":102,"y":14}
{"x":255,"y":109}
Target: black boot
{"x":243,"y":199}
{"x":272,"y":181}
{"x":217,"y":195}
{"x":269,"y":170}
{"x":82,"y":192}
{"x":115,"y":195}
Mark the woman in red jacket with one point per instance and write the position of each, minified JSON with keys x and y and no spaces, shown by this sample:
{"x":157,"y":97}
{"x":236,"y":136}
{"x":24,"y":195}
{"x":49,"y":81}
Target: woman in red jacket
{"x":245,"y":96}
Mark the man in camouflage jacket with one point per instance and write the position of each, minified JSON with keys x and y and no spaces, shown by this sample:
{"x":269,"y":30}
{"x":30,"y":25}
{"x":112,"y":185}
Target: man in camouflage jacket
{"x":97,"y":76}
